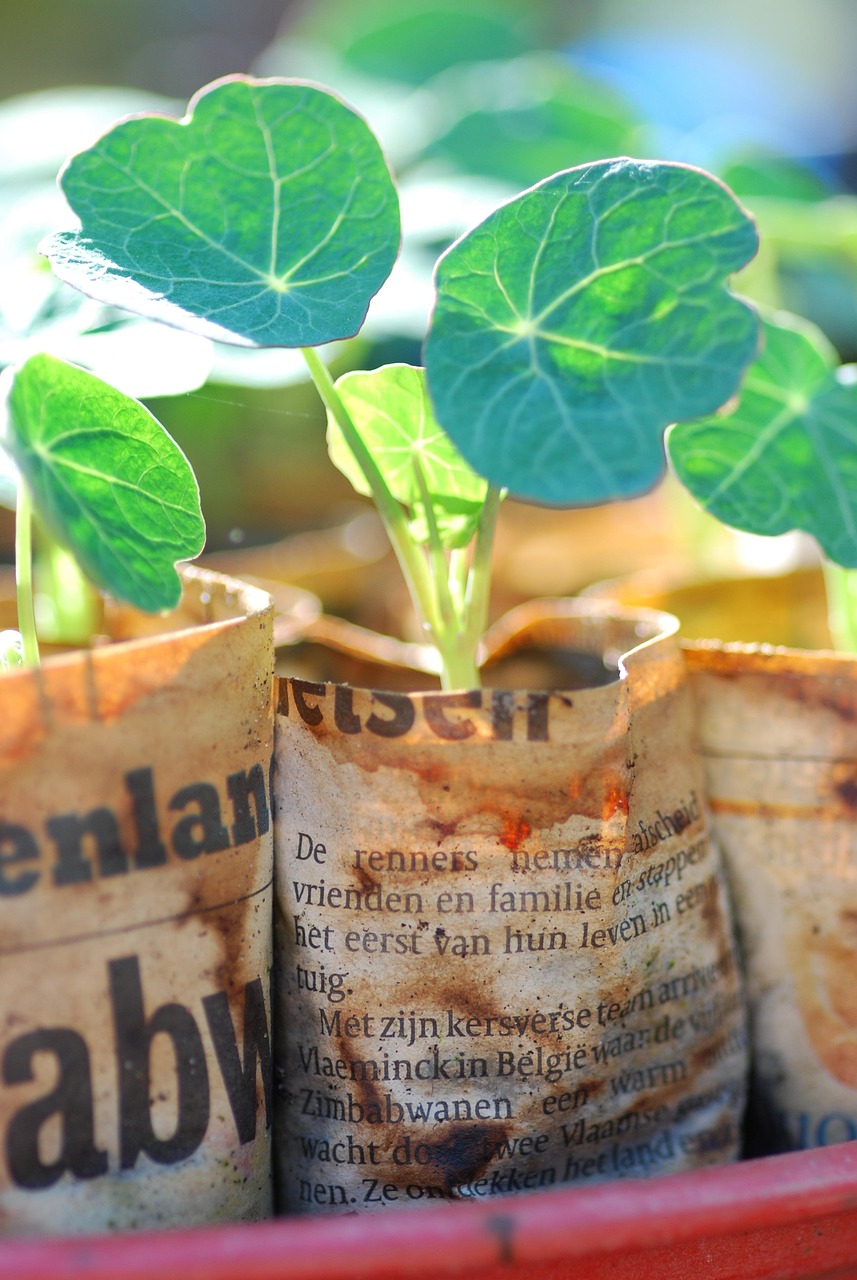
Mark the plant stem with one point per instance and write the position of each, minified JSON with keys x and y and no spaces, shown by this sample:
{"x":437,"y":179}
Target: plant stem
{"x":411,"y":562}
{"x":448,"y":614}
{"x":460,"y":649}
{"x":24,"y":576}
{"x":459,"y":576}
{"x":452,"y":612}
{"x":841,"y":586}
{"x":479,"y":584}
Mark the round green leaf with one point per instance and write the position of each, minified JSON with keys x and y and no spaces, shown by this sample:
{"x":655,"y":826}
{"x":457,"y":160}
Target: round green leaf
{"x":392,"y":413}
{"x":267,"y":217}
{"x":786,"y":456}
{"x":107,"y":480}
{"x":581,"y":318}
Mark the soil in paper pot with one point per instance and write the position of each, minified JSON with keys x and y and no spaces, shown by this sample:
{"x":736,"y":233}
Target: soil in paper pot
{"x":503,"y":950}
{"x":135,"y":871}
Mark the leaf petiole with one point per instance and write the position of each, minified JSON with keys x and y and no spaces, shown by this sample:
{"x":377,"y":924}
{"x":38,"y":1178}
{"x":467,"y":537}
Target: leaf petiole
{"x":479,"y":580}
{"x":459,"y":576}
{"x":439,"y":566}
{"x":459,"y":669}
{"x":841,"y":589}
{"x":439,"y":582}
{"x":411,"y":562}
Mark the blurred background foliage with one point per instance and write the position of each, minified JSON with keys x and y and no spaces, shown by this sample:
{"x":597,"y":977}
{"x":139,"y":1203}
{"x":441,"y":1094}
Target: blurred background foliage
{"x":473,"y":100}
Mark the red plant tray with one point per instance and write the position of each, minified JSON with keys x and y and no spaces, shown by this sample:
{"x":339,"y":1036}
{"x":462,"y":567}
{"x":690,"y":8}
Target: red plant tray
{"x":779,"y":1218}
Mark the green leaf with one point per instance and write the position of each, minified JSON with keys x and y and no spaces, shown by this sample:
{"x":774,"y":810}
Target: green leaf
{"x":786,"y":456}
{"x":581,"y":318}
{"x":107,"y":480}
{"x":392,"y":413}
{"x":267,"y":217}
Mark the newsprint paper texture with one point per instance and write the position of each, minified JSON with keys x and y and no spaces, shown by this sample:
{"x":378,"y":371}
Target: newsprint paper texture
{"x":778,"y":731}
{"x":136,"y":859}
{"x":503,"y":951}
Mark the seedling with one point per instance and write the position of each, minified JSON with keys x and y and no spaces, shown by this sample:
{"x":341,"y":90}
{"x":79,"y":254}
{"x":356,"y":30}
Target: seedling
{"x":107,"y":483}
{"x":570,"y":328}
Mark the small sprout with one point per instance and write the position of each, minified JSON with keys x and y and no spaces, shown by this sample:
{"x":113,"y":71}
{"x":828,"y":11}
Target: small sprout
{"x":110,"y":487}
{"x":108,"y":482}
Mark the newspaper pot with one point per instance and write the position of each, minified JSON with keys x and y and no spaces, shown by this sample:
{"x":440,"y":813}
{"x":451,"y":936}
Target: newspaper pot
{"x":503,"y":956}
{"x":778,"y":733}
{"x":782,"y":608}
{"x":135,"y":872}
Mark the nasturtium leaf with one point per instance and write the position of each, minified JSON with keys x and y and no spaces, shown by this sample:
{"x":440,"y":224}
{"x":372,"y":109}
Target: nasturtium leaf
{"x":786,"y":456}
{"x":392,"y":414}
{"x":266,"y":217}
{"x":579,"y":320}
{"x":113,"y":488}
{"x":39,"y":313}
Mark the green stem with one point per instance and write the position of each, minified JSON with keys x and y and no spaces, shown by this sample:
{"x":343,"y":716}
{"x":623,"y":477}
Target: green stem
{"x":455,"y":628}
{"x":411,"y":562}
{"x":437,"y":558}
{"x":459,"y":576}
{"x":460,"y":670}
{"x":24,"y":576}
{"x":841,"y":585}
{"x":461,"y":652}
{"x":479,"y":586}
{"x":457,"y":655}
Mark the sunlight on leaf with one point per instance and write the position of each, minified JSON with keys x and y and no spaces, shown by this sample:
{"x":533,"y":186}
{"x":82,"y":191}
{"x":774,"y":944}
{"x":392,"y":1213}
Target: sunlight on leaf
{"x":107,"y":480}
{"x":267,"y":217}
{"x":391,"y":411}
{"x":786,"y":456}
{"x":580,"y":319}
